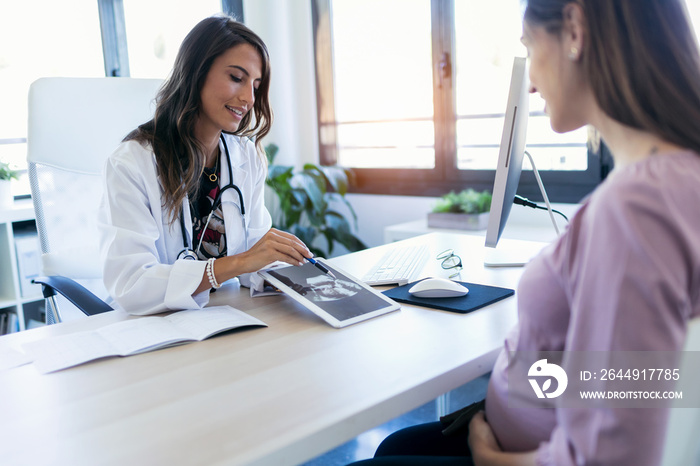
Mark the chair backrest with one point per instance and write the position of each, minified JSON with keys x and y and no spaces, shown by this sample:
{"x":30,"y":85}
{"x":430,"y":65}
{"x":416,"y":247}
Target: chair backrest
{"x":682,"y":445}
{"x":74,"y":125}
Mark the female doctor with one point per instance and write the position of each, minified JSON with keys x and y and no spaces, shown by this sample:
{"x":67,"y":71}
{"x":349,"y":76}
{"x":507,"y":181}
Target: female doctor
{"x":183,"y":206}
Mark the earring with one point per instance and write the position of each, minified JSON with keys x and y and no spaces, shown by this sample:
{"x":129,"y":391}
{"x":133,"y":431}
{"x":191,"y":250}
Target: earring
{"x":573,"y":54}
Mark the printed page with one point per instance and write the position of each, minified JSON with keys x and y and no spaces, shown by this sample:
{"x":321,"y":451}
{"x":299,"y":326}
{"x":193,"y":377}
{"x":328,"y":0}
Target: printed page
{"x":56,"y":353}
{"x":143,"y":334}
{"x":203,"y":323}
{"x":10,"y":358}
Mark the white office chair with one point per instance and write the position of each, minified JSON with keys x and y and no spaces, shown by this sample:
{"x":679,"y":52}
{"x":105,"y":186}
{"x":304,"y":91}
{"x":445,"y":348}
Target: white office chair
{"x":682,"y":445}
{"x":74,"y":125}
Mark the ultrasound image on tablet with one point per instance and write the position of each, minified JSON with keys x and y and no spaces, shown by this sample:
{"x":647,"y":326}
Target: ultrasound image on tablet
{"x":343,"y":298}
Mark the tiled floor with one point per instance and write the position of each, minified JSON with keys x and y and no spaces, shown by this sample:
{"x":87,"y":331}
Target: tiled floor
{"x":363,"y":446}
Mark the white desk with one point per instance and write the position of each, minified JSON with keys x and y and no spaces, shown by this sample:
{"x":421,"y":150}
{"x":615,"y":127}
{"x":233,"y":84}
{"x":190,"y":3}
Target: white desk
{"x":275,"y":396}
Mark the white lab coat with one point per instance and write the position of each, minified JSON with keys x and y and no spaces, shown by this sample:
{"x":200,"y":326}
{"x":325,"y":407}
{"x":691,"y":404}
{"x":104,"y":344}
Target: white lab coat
{"x":139,"y":247}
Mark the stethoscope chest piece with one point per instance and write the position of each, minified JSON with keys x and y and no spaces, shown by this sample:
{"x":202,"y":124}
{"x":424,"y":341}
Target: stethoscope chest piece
{"x":187,"y":254}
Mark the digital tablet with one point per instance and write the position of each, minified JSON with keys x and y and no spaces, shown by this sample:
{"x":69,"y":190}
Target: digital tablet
{"x":340,"y":301}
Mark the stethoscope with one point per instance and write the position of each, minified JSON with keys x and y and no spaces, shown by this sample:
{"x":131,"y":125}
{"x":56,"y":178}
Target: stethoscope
{"x":192,"y":254}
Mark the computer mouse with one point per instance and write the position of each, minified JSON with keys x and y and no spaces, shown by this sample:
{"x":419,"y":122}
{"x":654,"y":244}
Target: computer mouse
{"x":438,"y":288}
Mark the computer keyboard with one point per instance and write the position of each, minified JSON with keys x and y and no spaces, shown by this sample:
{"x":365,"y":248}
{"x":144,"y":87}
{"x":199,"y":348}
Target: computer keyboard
{"x":398,"y":265}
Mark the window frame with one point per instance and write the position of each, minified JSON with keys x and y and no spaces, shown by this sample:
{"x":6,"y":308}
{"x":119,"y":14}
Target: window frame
{"x":114,"y":40}
{"x":562,"y":186}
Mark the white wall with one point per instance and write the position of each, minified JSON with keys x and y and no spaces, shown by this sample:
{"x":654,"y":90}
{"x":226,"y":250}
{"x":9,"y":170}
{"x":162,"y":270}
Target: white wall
{"x":375,"y":212}
{"x":285,"y":26}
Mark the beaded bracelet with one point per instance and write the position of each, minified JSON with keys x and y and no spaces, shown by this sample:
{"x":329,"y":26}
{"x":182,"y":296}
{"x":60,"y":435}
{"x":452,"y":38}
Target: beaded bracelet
{"x":210,"y":274}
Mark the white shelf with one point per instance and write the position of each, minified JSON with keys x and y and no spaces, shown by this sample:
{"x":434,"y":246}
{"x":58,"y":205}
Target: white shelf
{"x":523,"y":224}
{"x":512,"y":231}
{"x":11,"y":299}
{"x":33,"y":298}
{"x":20,"y":211}
{"x":7,"y":303}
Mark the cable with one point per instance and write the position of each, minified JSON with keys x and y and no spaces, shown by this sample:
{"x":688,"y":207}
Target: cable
{"x":523,"y":201}
{"x":544,"y":193}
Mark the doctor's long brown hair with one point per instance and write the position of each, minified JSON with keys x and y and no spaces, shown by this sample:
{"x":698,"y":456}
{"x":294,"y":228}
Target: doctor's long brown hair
{"x":641,"y":60}
{"x":179,"y":156}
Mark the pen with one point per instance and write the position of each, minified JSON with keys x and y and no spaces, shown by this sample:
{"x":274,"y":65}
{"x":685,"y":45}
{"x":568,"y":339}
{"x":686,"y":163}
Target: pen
{"x":320,"y":267}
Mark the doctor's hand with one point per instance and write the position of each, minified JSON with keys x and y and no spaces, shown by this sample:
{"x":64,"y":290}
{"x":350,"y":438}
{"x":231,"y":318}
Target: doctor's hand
{"x":275,"y":245}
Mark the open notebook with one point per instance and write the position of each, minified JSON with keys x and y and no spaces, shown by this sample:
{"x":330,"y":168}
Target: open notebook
{"x":135,"y":336}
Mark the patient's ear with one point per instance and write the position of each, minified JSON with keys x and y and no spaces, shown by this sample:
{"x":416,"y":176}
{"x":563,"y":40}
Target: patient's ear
{"x":573,"y":30}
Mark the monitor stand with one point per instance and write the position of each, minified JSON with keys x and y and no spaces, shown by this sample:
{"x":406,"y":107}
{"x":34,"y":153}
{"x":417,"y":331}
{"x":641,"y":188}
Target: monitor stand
{"x":510,"y":254}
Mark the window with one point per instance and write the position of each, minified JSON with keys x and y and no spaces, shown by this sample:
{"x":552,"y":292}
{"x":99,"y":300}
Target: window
{"x":155,"y":29}
{"x":39,"y":44}
{"x":83,"y":38}
{"x":412,"y":96}
{"x":378,"y":124}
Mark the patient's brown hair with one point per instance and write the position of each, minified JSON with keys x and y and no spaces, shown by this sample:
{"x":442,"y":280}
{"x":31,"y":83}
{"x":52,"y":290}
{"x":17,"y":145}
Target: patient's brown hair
{"x":641,"y":59}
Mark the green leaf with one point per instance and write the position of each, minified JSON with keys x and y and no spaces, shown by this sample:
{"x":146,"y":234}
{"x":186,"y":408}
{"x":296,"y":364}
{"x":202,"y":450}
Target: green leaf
{"x":306,"y":234}
{"x":310,"y":167}
{"x":334,"y":175}
{"x":330,"y":241}
{"x":337,"y":177}
{"x":340,"y":198}
{"x":467,"y":201}
{"x":316,"y":219}
{"x":7,"y":173}
{"x":271,"y":152}
{"x":279,"y":172}
{"x":310,"y":184}
{"x":301,"y":198}
{"x":337,"y":222}
{"x":306,"y":198}
{"x":339,"y":229}
{"x":293,"y":217}
{"x":352,"y":243}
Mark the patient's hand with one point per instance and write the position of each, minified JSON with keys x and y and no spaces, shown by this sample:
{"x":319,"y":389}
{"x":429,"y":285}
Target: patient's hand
{"x":486,"y":451}
{"x":482,"y":441}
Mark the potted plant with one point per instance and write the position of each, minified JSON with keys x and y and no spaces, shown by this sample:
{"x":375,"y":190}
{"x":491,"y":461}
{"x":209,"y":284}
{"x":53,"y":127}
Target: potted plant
{"x":6,"y":175}
{"x":307,"y":200}
{"x":466,"y":210}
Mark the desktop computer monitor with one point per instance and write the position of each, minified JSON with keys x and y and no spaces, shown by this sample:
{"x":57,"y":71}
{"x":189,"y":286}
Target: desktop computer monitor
{"x":510,"y":156}
{"x":510,"y":163}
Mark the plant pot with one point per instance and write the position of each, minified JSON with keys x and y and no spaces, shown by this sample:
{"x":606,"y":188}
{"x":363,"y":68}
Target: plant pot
{"x":6,"y":199}
{"x":458,"y":221}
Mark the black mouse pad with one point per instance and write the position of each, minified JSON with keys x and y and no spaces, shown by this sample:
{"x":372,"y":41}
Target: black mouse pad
{"x":478,"y":297}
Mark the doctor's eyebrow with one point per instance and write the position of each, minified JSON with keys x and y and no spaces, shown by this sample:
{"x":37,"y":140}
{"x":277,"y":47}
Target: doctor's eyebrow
{"x":240,"y":68}
{"x":243,"y":70}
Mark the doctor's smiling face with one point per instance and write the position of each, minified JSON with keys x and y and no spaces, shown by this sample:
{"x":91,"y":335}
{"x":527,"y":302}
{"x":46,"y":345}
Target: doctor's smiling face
{"x":229,"y":90}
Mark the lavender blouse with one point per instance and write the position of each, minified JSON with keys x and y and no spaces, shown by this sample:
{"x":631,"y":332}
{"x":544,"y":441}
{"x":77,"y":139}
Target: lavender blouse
{"x":625,"y":276}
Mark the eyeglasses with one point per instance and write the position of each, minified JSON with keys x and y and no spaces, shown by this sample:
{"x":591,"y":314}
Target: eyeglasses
{"x":450,"y":261}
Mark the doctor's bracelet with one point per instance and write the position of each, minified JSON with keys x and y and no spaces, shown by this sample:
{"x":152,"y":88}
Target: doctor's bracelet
{"x":210,"y":274}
